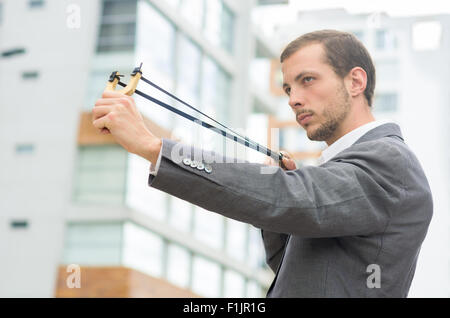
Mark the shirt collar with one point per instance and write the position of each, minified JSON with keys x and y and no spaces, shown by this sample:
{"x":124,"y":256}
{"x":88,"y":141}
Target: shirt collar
{"x":347,"y":140}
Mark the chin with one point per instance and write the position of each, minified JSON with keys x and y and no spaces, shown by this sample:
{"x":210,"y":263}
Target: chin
{"x":312,"y":134}
{"x":309,"y":132}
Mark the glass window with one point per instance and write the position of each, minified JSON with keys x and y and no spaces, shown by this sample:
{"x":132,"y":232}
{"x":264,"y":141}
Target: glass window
{"x":234,"y":285}
{"x":380,"y":39}
{"x":254,"y":290}
{"x":117,"y":31}
{"x":139,"y":195}
{"x":118,"y":27}
{"x":180,"y":214}
{"x":116,"y":37}
{"x":213,"y":10}
{"x":36,"y":3}
{"x":206,"y":277}
{"x":122,"y":7}
{"x":386,"y":102}
{"x":388,"y":70}
{"x":24,"y":148}
{"x":223,"y":92}
{"x":227,"y":32}
{"x":289,"y":139}
{"x":216,"y":89}
{"x":256,"y":257}
{"x":93,"y":244}
{"x":385,"y":40}
{"x":30,"y":75}
{"x":208,"y":227}
{"x":209,"y":87}
{"x":100,"y":174}
{"x":12,"y":52}
{"x":236,"y":239}
{"x":142,"y":250}
{"x":188,"y":86}
{"x":178,"y":265}
{"x":359,"y":35}
{"x":188,"y":66}
{"x":192,"y":10}
{"x":174,"y":3}
{"x":219,"y":24}
{"x":155,"y":39}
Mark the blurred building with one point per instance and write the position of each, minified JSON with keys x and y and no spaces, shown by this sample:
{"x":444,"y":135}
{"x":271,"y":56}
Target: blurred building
{"x":413,"y":69}
{"x":71,"y":196}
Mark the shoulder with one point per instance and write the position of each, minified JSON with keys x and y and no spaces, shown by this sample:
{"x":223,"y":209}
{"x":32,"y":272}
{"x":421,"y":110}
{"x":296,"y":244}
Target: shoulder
{"x":384,"y":160}
{"x":385,"y":152}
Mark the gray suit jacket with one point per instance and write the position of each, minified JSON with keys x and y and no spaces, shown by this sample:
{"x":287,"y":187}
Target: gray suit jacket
{"x":352,"y":227}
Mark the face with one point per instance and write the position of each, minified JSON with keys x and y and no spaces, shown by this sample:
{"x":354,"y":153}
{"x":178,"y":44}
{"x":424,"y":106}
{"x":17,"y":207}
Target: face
{"x":317,"y":95}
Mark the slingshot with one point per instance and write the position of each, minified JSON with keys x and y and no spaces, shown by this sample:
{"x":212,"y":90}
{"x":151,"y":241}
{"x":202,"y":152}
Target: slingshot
{"x":130,"y":89}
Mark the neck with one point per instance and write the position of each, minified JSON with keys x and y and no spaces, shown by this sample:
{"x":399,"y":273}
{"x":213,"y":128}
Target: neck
{"x":354,"y":119}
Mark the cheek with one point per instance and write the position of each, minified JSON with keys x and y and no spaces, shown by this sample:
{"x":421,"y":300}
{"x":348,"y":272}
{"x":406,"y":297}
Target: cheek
{"x":318,"y":96}
{"x":323,"y":100}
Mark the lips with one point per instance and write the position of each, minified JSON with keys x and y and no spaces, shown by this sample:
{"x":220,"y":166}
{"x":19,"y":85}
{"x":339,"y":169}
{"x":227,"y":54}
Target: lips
{"x":304,"y":118}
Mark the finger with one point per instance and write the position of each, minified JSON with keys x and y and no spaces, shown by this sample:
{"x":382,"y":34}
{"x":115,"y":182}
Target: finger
{"x":101,"y":123}
{"x":113,"y":94}
{"x":123,"y":100}
{"x":286,"y":154}
{"x":105,"y":131}
{"x":100,"y":111}
{"x":289,"y":164}
{"x":107,"y":101}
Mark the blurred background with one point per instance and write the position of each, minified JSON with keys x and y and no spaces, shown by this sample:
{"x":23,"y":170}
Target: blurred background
{"x":69,"y":195}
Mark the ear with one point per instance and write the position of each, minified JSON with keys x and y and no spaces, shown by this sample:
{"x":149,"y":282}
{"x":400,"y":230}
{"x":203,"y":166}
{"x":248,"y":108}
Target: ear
{"x":357,"y":81}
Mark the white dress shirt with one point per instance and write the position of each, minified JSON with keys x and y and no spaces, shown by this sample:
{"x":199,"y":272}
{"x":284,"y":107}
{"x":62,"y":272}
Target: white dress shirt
{"x":158,"y":162}
{"x":339,"y":145}
{"x":347,"y":140}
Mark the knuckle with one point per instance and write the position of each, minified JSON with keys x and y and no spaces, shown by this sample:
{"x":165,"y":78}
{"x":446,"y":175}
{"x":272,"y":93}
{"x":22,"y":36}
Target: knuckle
{"x":125,"y":102}
{"x":112,"y":115}
{"x":95,"y":123}
{"x":118,"y":108}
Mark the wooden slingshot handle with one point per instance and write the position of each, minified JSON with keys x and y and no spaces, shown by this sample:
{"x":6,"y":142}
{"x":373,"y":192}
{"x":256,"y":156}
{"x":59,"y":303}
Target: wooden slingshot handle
{"x":131,"y":86}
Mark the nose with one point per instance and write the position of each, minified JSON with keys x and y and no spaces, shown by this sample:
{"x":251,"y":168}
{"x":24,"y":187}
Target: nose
{"x":296,"y":98}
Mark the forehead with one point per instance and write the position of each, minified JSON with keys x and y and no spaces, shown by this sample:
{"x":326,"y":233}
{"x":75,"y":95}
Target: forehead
{"x":309,"y":58}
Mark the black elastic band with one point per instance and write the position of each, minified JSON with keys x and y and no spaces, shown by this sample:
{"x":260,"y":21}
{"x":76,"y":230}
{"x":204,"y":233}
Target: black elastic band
{"x":195,"y":109}
{"x":244,"y":141}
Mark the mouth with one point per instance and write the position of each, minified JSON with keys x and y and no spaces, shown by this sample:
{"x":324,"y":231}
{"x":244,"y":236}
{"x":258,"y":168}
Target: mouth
{"x":304,"y":118}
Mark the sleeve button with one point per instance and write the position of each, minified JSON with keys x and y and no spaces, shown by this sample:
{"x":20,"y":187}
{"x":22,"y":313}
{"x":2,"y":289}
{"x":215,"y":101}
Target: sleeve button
{"x":194,"y":164}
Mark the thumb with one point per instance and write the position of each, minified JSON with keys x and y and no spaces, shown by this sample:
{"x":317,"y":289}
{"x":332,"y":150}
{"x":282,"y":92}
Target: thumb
{"x":288,"y":163}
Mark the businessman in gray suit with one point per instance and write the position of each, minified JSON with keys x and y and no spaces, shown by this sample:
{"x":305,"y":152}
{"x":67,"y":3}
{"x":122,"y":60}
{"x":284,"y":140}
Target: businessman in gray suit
{"x":349,"y":227}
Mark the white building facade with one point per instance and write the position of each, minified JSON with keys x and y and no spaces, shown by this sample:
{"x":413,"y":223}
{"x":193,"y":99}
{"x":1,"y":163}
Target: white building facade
{"x":66,"y":203}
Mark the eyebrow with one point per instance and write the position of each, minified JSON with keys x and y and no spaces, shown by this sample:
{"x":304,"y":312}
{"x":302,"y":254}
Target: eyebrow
{"x":299,"y":76}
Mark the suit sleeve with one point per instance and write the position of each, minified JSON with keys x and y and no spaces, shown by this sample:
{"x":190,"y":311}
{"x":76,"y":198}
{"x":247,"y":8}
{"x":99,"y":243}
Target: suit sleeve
{"x":354,"y":194}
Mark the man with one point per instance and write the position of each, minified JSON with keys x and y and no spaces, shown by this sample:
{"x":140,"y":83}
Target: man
{"x":350,"y":227}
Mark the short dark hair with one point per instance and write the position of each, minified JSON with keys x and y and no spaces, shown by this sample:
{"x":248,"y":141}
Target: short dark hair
{"x":343,"y":52}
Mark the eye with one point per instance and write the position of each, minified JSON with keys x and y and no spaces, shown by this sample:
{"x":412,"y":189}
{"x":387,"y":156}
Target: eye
{"x":308,"y":79}
{"x":287,"y":91}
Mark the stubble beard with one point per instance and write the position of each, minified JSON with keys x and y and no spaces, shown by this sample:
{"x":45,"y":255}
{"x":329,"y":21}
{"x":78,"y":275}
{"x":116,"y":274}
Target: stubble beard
{"x":333,"y":117}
